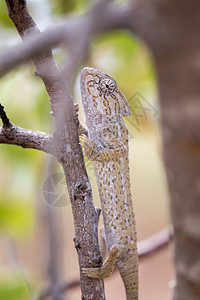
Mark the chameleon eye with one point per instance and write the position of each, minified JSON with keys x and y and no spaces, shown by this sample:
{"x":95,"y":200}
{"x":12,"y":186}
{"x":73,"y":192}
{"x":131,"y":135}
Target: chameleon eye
{"x":107,"y":86}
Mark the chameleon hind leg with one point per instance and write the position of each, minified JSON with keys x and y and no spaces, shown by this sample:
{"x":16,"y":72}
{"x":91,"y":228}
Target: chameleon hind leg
{"x":107,"y":268}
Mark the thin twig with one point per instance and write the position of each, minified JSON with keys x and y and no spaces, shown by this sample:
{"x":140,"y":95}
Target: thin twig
{"x":54,"y":231}
{"x":62,"y":288}
{"x":17,"y":264}
{"x":15,"y":135}
{"x":103,"y":17}
{"x":154,"y":243}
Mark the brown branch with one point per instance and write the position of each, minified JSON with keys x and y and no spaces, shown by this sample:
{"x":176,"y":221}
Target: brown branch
{"x":26,"y":138}
{"x":54,"y":232}
{"x":154,"y":243}
{"x":146,"y":248}
{"x":46,"y":67}
{"x":62,"y":289}
{"x":102,"y":17}
{"x":14,"y":135}
{"x":68,"y":152}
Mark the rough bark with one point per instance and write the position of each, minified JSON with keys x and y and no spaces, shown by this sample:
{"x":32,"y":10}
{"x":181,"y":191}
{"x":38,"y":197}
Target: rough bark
{"x":179,"y":94}
{"x":176,"y":50}
{"x":25,"y":138}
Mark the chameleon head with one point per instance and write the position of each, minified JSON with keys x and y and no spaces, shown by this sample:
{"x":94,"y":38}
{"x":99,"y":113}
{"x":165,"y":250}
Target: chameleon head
{"x":101,"y":95}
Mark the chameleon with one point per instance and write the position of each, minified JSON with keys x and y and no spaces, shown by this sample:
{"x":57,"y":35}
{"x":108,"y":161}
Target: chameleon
{"x":106,"y":145}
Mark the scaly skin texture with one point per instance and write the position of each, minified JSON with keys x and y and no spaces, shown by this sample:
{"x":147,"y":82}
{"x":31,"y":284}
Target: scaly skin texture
{"x":107,"y":146}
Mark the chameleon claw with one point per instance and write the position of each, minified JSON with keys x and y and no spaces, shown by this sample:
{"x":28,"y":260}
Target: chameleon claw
{"x":76,"y":107}
{"x":92,"y":272}
{"x":81,"y":141}
{"x":83,"y":138}
{"x":87,"y":147}
{"x":84,"y":141}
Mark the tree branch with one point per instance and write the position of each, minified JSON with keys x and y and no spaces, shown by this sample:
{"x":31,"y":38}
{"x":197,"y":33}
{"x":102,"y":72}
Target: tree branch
{"x":155,"y":242}
{"x":68,"y":152}
{"x":102,"y":17}
{"x":12,"y":134}
{"x":62,"y":289}
{"x":46,"y":67}
{"x":27,"y":138}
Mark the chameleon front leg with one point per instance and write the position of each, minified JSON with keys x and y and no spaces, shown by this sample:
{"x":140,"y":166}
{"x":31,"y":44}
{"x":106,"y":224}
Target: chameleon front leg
{"x":116,"y":149}
{"x":108,"y":267}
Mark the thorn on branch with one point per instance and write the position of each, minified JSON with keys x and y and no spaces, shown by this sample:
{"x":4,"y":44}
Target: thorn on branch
{"x":3,"y":116}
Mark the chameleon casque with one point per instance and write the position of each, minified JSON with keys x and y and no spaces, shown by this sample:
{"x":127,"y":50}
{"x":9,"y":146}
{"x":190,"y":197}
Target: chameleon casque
{"x":107,"y":146}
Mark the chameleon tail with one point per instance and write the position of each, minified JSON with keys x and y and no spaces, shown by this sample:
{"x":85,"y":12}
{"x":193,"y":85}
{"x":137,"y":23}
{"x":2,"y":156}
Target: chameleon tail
{"x":128,"y":268}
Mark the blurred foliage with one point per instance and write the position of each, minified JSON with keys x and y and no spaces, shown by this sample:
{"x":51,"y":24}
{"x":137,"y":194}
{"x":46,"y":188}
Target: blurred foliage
{"x":122,"y":55}
{"x":61,"y":7}
{"x":13,"y":219}
{"x":13,"y":289}
{"x":4,"y":20}
{"x":25,"y":101}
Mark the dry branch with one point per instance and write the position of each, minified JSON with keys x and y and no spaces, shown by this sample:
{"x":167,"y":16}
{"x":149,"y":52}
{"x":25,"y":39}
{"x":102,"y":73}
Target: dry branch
{"x":154,"y":243}
{"x":14,"y":135}
{"x":75,"y":32}
{"x":68,"y":152}
{"x":26,"y":138}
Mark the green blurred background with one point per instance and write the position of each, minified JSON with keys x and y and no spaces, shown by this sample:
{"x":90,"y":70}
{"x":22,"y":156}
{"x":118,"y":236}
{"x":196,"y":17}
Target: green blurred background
{"x":24,"y":213}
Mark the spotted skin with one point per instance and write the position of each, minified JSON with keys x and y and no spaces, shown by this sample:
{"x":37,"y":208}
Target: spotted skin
{"x":107,"y":146}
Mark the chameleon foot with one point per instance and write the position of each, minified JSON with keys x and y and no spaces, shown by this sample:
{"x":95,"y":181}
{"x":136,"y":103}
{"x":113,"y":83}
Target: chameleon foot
{"x":76,"y":107}
{"x":87,"y":146}
{"x":108,"y":267}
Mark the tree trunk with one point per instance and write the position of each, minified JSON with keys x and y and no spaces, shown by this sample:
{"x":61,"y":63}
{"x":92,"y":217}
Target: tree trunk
{"x":177,"y":62}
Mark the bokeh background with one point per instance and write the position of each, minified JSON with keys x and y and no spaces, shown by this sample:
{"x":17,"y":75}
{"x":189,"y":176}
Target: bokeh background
{"x":35,"y":234}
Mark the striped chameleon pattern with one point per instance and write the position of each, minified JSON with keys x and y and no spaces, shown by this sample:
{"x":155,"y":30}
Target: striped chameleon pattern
{"x":107,"y":146}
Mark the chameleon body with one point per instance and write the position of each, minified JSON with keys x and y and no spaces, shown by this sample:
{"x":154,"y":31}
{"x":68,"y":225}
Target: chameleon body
{"x":107,"y":146}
